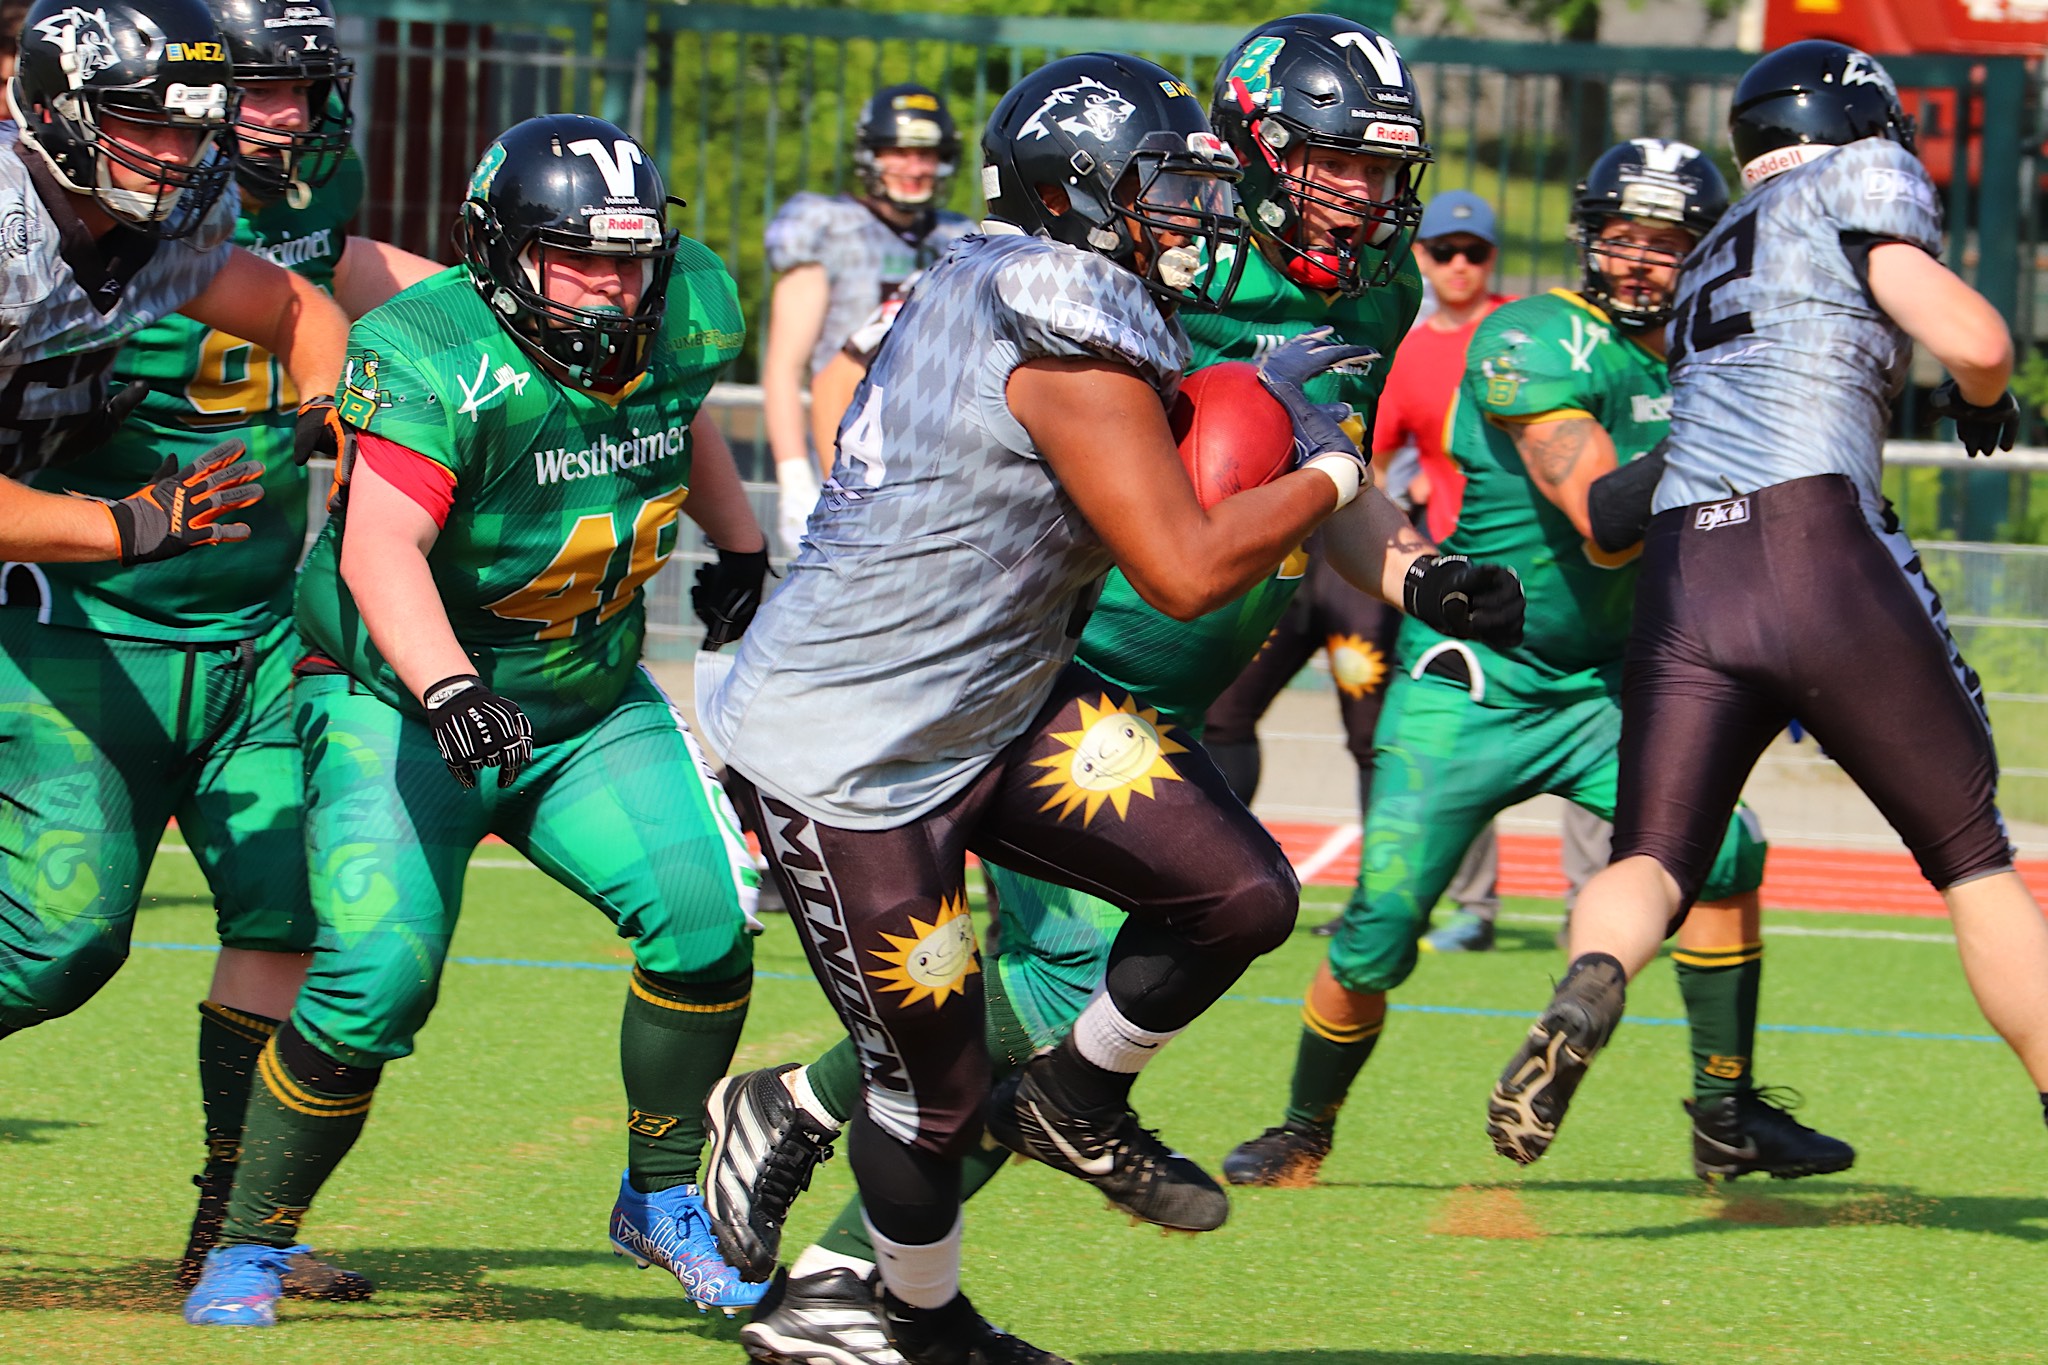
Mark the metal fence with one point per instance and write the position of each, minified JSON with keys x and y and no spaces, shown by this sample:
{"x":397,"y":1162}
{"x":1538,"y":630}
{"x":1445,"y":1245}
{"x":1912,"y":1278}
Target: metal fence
{"x":746,"y":105}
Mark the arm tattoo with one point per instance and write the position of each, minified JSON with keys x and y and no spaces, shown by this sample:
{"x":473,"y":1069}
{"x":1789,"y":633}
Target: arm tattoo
{"x":1553,"y":448}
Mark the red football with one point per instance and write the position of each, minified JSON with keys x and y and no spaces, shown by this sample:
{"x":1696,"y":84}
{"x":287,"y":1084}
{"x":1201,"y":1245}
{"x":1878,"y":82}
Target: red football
{"x":1232,"y":434}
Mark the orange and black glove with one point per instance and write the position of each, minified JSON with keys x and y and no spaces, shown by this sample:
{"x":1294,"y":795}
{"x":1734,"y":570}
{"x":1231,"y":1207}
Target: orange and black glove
{"x":181,"y":510}
{"x":320,"y":434}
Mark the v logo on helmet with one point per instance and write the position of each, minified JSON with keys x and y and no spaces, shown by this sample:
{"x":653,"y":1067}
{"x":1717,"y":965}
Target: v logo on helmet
{"x":1659,"y":155}
{"x":1386,"y":62}
{"x":616,"y":170}
{"x":84,"y":40}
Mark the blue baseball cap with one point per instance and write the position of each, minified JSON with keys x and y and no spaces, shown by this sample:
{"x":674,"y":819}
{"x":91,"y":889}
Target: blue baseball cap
{"x":1458,"y":211}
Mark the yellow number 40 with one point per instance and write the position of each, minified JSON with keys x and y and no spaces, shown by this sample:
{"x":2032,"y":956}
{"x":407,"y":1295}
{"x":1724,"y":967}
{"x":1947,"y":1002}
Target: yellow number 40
{"x":572,"y":585}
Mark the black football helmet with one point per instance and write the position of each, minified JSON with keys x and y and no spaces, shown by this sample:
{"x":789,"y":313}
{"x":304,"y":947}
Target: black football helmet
{"x":158,"y":62}
{"x":1650,"y":180}
{"x":1126,"y":145}
{"x":905,"y":116}
{"x":569,"y":182}
{"x":1812,"y":94}
{"x":1315,"y":80}
{"x":290,"y":40}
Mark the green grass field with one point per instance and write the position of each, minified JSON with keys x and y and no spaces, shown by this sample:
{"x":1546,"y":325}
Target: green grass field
{"x":479,"y":1194}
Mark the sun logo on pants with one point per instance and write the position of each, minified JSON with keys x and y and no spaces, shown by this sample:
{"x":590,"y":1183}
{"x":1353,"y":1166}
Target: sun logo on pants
{"x":1118,"y":750}
{"x":1357,"y":665}
{"x":935,"y":959}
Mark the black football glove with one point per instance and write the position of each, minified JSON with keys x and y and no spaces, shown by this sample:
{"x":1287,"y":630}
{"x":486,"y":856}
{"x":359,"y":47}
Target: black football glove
{"x":97,"y":428}
{"x":182,"y":508}
{"x":1290,"y":365}
{"x":728,"y":593}
{"x":476,"y":729}
{"x":319,"y":433}
{"x":1464,"y":600}
{"x":1981,"y":430}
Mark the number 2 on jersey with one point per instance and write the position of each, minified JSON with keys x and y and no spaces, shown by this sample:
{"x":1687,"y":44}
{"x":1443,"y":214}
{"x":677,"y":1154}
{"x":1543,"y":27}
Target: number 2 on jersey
{"x":1695,"y":328}
{"x":572,"y":585}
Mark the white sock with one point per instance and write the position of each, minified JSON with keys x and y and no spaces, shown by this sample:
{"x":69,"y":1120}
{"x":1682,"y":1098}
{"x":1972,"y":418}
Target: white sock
{"x":926,"y":1276}
{"x":799,"y":1085}
{"x":1114,"y":1043}
{"x":816,"y":1260}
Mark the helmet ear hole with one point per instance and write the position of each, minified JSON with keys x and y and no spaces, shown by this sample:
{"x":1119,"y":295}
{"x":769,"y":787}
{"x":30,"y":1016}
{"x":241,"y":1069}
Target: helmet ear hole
{"x":1054,"y":198}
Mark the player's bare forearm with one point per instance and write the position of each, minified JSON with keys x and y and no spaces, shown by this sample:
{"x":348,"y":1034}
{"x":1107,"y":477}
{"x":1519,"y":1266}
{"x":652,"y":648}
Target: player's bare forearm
{"x":831,"y":391}
{"x":796,"y":316}
{"x":1104,"y":432}
{"x":286,"y":314}
{"x":371,"y":272}
{"x":1370,"y":543}
{"x":718,"y":501}
{"x":384,"y":563}
{"x":42,"y":528}
{"x":1953,"y":321}
{"x":1563,"y":458}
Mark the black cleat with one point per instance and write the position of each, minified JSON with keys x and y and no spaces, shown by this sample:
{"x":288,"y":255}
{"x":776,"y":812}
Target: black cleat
{"x":1285,"y":1158}
{"x":955,"y":1335}
{"x":1530,"y":1098}
{"x":1328,"y":928}
{"x":1741,"y":1134}
{"x":763,"y":1151}
{"x":306,"y":1276}
{"x":1134,"y":1170}
{"x":831,"y":1318}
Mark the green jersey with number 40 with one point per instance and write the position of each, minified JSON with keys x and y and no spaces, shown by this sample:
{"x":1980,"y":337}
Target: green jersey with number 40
{"x":205,"y":387}
{"x":1182,"y":666}
{"x":1540,"y":359}
{"x":565,"y":502}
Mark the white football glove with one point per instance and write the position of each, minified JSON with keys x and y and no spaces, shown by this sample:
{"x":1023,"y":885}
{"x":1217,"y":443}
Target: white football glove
{"x":796,"y":482}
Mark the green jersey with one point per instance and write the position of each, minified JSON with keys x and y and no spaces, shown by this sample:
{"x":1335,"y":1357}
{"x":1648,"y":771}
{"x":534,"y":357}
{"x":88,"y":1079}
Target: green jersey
{"x":205,"y":387}
{"x":564,"y":502}
{"x":1180,"y":667}
{"x":1538,"y":359}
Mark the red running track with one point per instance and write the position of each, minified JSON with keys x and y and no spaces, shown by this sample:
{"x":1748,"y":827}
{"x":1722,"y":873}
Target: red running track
{"x":1855,"y":881}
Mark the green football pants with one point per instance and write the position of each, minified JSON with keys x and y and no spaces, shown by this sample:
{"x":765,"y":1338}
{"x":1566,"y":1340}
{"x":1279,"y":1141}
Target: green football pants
{"x":1052,"y":949}
{"x":627,"y":815}
{"x":103,"y":741}
{"x":1447,"y":765}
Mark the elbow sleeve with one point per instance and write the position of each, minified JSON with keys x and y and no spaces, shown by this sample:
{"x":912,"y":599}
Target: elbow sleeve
{"x":1618,"y":504}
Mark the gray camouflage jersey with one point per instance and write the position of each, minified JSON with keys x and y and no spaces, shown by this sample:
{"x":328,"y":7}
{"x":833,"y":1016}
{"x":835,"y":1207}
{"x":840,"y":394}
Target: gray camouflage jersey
{"x":945,"y":575}
{"x":866,"y":261}
{"x":66,"y":305}
{"x":1781,"y":364}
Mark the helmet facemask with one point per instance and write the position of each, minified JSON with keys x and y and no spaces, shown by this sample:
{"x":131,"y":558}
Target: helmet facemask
{"x":290,"y":165}
{"x":72,"y":134}
{"x":592,"y":346}
{"x":1173,"y":184}
{"x":1349,"y":261}
{"x":1629,"y":305}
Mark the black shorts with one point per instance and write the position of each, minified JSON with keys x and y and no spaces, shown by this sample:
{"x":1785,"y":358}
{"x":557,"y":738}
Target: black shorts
{"x":1091,"y":796}
{"x":1799,"y":602}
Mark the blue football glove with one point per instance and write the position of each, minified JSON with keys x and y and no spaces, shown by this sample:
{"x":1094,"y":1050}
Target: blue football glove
{"x":1318,"y":429}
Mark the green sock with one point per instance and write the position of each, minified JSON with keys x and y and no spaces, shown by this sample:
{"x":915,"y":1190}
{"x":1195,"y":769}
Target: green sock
{"x":229,"y":1040}
{"x":1720,"y":992}
{"x":835,"y":1079}
{"x":848,"y":1233}
{"x":676,"y":1040}
{"x":301,"y":1122}
{"x":1325,"y":1065}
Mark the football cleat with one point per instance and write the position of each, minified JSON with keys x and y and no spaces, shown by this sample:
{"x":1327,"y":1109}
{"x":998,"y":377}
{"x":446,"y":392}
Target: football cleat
{"x":831,"y":1318}
{"x":1286,"y":1157}
{"x":1329,"y":927}
{"x":764,"y":1148}
{"x":1466,"y":933}
{"x":305,"y":1276}
{"x":1529,"y":1100}
{"x":669,"y":1228}
{"x":955,"y":1335}
{"x":1738,"y":1135}
{"x":239,"y":1286}
{"x":1132,"y":1168}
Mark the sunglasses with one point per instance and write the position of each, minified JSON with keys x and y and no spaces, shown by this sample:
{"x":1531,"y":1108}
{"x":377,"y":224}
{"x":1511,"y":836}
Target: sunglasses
{"x":1443,"y":253}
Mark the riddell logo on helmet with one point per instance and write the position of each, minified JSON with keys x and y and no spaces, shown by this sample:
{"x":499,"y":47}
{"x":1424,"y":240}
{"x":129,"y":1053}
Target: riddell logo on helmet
{"x":1400,"y":134}
{"x":1783,"y":159}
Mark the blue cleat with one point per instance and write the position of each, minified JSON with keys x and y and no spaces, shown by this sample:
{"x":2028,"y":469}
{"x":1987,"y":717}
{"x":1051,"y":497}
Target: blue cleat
{"x":239,"y":1286}
{"x":1466,"y":933}
{"x":670,"y":1228}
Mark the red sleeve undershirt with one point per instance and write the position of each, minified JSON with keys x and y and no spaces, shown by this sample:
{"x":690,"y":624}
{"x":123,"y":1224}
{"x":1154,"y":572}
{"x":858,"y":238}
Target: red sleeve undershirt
{"x":410,"y":472}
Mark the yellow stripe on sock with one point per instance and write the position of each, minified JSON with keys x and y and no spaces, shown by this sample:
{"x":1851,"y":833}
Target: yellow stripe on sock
{"x":252,"y":1027}
{"x":288,"y":1093}
{"x":1344,"y":1035}
{"x":647,"y":994}
{"x":1719,"y":957}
